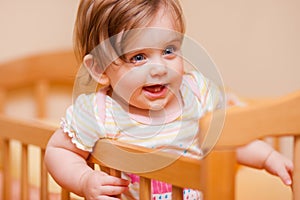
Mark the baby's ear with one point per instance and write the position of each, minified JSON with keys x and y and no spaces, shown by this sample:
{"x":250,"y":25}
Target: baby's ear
{"x":95,"y":71}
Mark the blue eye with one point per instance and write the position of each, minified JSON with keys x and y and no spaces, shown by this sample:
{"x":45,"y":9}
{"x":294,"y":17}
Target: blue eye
{"x":169,"y":50}
{"x":138,"y":58}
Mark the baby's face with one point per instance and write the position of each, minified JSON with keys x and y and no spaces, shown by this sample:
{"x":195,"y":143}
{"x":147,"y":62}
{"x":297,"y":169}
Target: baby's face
{"x":152,"y":74}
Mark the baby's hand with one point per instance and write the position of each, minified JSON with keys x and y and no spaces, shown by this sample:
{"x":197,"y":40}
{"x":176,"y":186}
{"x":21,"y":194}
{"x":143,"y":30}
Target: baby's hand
{"x":279,"y":165}
{"x":99,"y":185}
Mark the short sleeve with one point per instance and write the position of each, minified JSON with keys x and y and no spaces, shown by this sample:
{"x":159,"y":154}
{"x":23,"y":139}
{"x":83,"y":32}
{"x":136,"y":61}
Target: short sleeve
{"x":83,"y":123}
{"x":209,"y":94}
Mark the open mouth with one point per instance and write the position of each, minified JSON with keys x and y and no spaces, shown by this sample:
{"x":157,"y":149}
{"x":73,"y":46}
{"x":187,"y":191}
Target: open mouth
{"x":154,"y":88}
{"x":155,"y":91}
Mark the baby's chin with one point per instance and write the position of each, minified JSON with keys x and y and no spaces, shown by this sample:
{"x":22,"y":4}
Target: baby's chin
{"x":157,"y":107}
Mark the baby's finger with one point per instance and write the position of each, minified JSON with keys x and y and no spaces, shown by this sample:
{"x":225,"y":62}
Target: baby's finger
{"x":112,"y":190}
{"x":114,"y":181}
{"x":290,"y":166}
{"x":102,"y":197}
{"x":285,"y":177}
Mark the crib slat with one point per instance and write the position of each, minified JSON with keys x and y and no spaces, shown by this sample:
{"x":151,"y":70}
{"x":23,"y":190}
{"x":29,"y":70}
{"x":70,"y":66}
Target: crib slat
{"x":145,"y":188}
{"x":65,"y":194}
{"x":6,"y":170}
{"x":219,"y":172}
{"x":91,"y":165}
{"x":105,"y":169}
{"x":177,"y":193}
{"x":41,"y":91}
{"x":2,"y":99}
{"x":296,"y":172}
{"x":115,"y":173}
{"x":24,"y":172}
{"x":44,"y":178}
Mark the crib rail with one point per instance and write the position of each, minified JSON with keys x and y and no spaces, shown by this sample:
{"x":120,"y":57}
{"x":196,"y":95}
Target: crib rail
{"x":53,"y":67}
{"x":29,"y":132}
{"x":174,"y":170}
{"x":279,"y":117}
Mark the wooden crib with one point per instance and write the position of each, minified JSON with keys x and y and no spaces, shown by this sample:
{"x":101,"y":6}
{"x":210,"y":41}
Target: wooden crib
{"x":36,"y":75}
{"x":214,"y":175}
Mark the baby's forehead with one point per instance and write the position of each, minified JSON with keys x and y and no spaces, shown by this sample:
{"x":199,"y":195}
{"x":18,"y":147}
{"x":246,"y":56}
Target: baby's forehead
{"x":150,"y":38}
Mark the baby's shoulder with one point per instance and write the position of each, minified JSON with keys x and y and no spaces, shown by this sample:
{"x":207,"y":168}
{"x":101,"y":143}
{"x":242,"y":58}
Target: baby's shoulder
{"x":195,"y":78}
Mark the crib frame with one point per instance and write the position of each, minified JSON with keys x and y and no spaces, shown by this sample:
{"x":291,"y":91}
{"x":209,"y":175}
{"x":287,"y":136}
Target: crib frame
{"x":275,"y":117}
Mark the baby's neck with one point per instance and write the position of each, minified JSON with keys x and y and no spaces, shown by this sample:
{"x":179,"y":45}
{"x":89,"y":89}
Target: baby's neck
{"x":169,"y":113}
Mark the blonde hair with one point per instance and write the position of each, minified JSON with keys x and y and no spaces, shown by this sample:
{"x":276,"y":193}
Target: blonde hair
{"x":98,"y":20}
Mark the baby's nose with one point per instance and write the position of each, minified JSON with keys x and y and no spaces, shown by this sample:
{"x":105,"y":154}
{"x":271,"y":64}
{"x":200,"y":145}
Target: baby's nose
{"x":158,"y":70}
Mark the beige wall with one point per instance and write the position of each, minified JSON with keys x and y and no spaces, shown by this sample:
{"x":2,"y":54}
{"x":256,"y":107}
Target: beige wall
{"x":29,"y":26}
{"x":254,"y":43}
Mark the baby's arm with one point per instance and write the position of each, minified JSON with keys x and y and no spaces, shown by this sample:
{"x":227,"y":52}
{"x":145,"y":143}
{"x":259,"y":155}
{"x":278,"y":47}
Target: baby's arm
{"x":67,"y":165}
{"x":259,"y":154}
